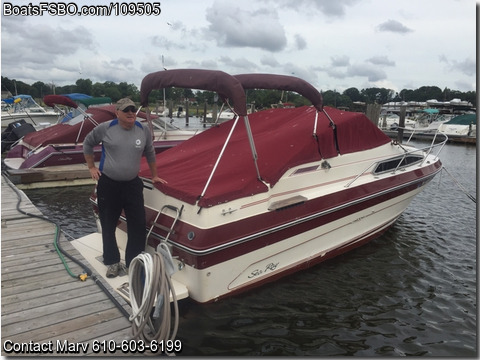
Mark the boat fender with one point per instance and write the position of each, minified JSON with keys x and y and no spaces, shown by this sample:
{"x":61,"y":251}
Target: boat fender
{"x":162,"y":248}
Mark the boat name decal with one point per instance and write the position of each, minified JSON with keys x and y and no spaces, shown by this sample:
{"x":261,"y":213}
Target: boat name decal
{"x":257,"y":272}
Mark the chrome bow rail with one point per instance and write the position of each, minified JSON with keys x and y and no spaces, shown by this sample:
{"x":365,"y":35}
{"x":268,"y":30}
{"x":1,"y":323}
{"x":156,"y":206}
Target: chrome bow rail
{"x":402,"y":161}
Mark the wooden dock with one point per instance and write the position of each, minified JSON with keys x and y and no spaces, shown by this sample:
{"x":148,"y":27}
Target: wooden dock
{"x":53,"y":176}
{"x":46,"y":311}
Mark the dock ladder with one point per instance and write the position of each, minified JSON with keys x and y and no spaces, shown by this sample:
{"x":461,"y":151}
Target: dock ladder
{"x":169,"y":230}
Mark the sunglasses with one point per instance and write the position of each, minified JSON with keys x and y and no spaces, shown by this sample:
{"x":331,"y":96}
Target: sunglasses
{"x":129,"y":108}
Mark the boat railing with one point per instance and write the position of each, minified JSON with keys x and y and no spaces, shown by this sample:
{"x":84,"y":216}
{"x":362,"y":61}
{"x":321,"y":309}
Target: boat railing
{"x":402,"y":163}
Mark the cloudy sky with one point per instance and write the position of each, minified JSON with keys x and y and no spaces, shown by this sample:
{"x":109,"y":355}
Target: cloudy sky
{"x":333,"y":44}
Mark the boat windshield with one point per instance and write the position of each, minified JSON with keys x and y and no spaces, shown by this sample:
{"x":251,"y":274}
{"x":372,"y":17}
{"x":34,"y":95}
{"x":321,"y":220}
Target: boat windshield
{"x":162,"y":124}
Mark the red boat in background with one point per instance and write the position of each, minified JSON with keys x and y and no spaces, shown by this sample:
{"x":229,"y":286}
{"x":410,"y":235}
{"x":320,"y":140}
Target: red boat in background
{"x":62,"y":143}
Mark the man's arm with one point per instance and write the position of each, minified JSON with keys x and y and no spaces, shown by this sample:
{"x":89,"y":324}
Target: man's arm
{"x":153,"y":171}
{"x":88,"y":152}
{"x":94,"y":171}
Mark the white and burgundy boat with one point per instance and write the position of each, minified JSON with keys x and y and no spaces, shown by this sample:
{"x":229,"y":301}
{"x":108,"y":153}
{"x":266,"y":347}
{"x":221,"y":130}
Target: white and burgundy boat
{"x":62,"y":143}
{"x":265,"y":195}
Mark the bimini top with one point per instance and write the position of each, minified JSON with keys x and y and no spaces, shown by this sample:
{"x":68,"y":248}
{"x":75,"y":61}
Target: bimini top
{"x":72,"y":100}
{"x":52,"y":100}
{"x":15,"y":99}
{"x":282,"y":82}
{"x":224,"y":84}
{"x":283,"y":139}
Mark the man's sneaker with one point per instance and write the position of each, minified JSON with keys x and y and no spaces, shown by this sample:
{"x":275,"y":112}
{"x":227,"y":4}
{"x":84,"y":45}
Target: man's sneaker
{"x":112,"y":270}
{"x":122,"y":270}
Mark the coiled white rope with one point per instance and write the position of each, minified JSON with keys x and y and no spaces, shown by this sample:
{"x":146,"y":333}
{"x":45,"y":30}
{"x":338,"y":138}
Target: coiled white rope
{"x":151,"y":286}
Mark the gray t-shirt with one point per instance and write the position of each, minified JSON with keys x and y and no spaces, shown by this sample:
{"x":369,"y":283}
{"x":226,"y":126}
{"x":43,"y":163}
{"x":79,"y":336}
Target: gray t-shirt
{"x":122,"y":149}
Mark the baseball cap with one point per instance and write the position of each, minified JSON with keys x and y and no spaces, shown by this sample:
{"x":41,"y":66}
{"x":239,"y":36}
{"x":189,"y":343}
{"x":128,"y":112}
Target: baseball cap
{"x":122,"y":104}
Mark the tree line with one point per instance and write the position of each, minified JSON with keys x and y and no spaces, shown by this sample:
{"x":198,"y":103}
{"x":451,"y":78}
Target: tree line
{"x":260,"y":98}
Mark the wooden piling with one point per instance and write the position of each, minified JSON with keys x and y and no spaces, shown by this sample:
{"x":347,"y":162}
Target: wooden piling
{"x":401,"y":123}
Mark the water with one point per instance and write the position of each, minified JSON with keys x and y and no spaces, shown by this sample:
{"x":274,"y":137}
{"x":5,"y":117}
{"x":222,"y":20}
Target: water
{"x":412,"y":291}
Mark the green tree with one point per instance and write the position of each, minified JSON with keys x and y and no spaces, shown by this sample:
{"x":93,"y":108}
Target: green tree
{"x":378,"y":95}
{"x":330,"y":98}
{"x":98,"y":89}
{"x":354,"y":94}
{"x":16,"y":87}
{"x":425,"y":93}
{"x":470,"y":96}
{"x":407,"y":95}
{"x":113,"y":93}
{"x":68,"y":89}
{"x":128,"y":90}
{"x":84,"y":86}
{"x":40,"y":90}
{"x":202,"y":96}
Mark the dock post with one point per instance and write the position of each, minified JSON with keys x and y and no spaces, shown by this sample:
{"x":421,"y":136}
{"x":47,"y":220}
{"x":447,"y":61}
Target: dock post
{"x":401,"y":123}
{"x":170,"y":109}
{"x":205,"y":114}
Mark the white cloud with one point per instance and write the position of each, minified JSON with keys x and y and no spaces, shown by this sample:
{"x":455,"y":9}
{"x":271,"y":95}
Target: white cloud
{"x":381,"y":60}
{"x":332,"y":44}
{"x":393,"y":26}
{"x":466,"y":66}
{"x":269,"y":61}
{"x":233,"y":26}
{"x":372,"y":73}
{"x":300,"y":42}
{"x":337,"y":8}
{"x":342,"y":60}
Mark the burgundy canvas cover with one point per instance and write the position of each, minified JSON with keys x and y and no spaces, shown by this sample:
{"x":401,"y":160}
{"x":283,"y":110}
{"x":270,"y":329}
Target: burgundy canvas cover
{"x":355,"y":132}
{"x":51,"y":100}
{"x":283,"y":139}
{"x":67,"y":134}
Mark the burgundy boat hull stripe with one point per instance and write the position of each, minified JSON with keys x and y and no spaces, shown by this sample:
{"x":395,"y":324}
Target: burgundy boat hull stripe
{"x":321,"y":211}
{"x":303,"y":265}
{"x":56,"y":155}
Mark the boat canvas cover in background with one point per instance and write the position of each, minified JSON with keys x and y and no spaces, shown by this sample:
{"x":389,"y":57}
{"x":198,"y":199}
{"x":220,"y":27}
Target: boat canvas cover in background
{"x":26,"y":98}
{"x":465,"y":119}
{"x":67,"y":134}
{"x":52,"y":100}
{"x":283,"y":139}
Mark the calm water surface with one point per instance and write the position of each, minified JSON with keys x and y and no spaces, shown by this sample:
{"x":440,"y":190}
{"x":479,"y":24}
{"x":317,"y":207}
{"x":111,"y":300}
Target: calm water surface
{"x":412,"y":291}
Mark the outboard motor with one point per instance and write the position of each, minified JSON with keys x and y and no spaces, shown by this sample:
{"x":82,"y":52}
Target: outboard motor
{"x":14,"y":132}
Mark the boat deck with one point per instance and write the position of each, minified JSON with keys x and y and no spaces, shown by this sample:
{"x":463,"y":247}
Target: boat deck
{"x":41,"y":302}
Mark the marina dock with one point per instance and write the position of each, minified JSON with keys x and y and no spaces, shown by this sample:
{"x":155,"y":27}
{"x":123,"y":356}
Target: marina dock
{"x":53,"y":176}
{"x":45,"y":310}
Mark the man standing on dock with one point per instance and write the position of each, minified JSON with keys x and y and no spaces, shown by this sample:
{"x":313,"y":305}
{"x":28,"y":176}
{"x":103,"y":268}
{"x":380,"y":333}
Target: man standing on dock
{"x":124,"y":141}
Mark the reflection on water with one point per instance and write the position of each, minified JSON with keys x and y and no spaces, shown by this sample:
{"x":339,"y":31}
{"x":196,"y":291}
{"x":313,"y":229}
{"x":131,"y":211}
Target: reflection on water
{"x":410,"y":292}
{"x":70,"y":207}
